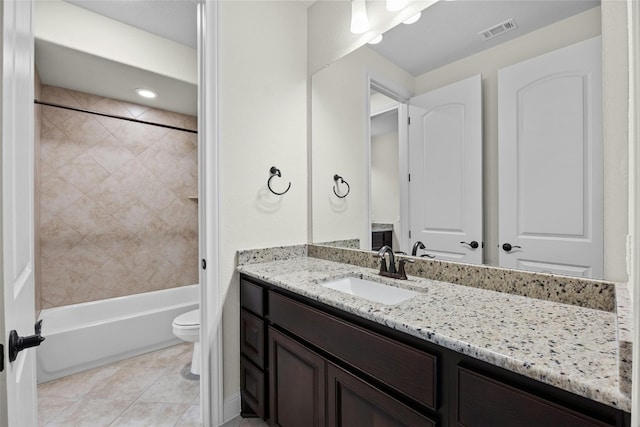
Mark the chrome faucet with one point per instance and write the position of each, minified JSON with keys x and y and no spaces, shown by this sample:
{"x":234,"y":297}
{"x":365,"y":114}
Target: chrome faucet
{"x":391,"y":270}
{"x":417,"y":245}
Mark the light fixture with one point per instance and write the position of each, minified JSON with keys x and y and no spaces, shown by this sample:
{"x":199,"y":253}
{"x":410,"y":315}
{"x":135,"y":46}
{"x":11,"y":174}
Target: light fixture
{"x":146,"y":93}
{"x":376,"y":40}
{"x":393,"y":5}
{"x":413,"y":19}
{"x":359,"y":19}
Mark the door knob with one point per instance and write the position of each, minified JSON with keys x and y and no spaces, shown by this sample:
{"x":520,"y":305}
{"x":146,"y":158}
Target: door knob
{"x":473,"y":244}
{"x":507,"y":247}
{"x":17,"y":344}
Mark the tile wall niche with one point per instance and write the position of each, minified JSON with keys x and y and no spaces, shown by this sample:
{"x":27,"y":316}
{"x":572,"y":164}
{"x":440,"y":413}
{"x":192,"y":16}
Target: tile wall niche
{"x":116,"y":216}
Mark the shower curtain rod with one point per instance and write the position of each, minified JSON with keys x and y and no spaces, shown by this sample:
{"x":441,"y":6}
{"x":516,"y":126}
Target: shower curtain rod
{"x":80,"y":110}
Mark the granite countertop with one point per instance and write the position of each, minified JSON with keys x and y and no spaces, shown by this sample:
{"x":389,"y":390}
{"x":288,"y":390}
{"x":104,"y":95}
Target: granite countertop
{"x":570,"y":347}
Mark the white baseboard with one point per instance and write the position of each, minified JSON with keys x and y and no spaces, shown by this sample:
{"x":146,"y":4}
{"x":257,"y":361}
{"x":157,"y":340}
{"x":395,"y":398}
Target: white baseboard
{"x":231,"y":407}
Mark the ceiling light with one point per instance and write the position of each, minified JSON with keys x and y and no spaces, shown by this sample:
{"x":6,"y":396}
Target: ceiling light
{"x":413,"y":19}
{"x":359,"y":19}
{"x":146,"y":93}
{"x":393,"y":5}
{"x":376,"y":40}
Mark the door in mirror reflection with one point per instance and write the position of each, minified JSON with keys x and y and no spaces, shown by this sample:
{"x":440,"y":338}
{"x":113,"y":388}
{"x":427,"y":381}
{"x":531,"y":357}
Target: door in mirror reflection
{"x":445,"y":163}
{"x":551,"y":162}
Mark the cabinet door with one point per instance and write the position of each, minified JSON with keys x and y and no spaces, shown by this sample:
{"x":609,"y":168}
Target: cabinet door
{"x":485,"y":402}
{"x":297,"y":381}
{"x":352,"y":402}
{"x":252,"y":338}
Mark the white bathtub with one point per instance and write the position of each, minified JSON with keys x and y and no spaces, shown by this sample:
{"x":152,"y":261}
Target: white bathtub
{"x":87,"y":335}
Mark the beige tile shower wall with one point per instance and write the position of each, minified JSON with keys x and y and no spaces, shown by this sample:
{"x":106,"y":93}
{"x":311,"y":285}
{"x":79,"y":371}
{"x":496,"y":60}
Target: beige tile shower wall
{"x":116,"y":218}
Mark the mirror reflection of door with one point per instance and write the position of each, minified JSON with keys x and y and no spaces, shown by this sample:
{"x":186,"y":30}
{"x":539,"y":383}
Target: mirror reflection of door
{"x":385,"y":185}
{"x":551,"y":162}
{"x":445,"y":163}
{"x":388,"y":185}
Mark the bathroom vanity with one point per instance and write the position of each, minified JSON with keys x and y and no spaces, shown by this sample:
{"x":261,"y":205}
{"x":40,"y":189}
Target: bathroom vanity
{"x":452,"y":355}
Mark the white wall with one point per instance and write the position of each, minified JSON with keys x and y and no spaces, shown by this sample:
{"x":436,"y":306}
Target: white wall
{"x":262,"y":113}
{"x":340,"y":141}
{"x":582,"y":26}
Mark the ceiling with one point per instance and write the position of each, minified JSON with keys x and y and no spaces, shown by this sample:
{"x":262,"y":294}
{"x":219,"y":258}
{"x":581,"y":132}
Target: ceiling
{"x":172,"y":19}
{"x":83,"y":71}
{"x":448,"y":30}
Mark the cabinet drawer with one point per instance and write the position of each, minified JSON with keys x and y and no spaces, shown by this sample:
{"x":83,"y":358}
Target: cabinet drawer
{"x":398,"y":366}
{"x":252,"y":338}
{"x":252,"y":297}
{"x":353,"y":402}
{"x":483,"y":401}
{"x":252,"y":387}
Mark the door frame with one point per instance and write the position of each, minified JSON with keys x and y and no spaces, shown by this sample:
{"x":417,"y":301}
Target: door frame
{"x":633,"y":247}
{"x":390,"y":89}
{"x":211,"y":380}
{"x":211,"y":356}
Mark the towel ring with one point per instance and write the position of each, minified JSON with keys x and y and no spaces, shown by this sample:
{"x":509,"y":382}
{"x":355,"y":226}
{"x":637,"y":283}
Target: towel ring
{"x":337,"y":178}
{"x":276,"y":172}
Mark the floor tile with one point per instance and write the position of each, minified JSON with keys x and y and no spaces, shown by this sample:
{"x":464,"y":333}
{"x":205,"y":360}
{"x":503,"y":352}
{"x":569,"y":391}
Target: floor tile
{"x":191,"y":417}
{"x":77,"y":385}
{"x":126,"y":383}
{"x":51,"y":406}
{"x":143,"y":414}
{"x":168,"y":358}
{"x":113,"y":394}
{"x":172,"y":388}
{"x":90,"y":413}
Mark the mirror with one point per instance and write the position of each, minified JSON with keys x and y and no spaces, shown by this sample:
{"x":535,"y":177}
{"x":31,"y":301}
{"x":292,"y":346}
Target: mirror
{"x":443,"y":47}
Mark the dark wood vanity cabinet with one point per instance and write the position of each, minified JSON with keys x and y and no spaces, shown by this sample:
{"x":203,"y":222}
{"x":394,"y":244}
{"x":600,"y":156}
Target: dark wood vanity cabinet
{"x":297,"y":383}
{"x":322,"y":366}
{"x":253,"y":360}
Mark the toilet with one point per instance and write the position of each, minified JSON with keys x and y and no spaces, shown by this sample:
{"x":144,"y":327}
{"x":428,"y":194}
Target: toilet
{"x":187,"y":327}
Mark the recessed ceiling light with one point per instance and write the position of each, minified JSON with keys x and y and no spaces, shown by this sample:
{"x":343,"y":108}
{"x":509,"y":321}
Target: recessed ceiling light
{"x":146,"y":93}
{"x":413,"y":19}
{"x":376,"y":40}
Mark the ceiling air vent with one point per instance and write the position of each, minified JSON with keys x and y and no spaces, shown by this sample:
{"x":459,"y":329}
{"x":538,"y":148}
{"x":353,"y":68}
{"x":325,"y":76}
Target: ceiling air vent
{"x":496,"y":30}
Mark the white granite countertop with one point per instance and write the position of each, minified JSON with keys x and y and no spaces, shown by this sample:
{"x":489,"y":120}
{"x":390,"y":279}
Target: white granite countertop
{"x":570,"y":347}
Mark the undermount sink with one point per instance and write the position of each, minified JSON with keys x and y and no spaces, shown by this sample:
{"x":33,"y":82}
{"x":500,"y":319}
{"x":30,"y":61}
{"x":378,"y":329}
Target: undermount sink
{"x":373,"y":291}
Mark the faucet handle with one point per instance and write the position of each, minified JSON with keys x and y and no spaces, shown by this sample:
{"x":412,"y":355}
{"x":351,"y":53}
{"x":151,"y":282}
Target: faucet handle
{"x":401,"y":263}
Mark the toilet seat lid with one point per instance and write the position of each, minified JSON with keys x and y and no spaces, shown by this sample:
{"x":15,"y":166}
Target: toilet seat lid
{"x":190,"y":318}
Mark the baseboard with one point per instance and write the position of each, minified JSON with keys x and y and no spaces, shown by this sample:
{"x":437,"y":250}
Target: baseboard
{"x":231,"y":407}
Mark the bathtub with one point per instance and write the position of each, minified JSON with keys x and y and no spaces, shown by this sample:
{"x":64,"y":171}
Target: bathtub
{"x":87,"y":335}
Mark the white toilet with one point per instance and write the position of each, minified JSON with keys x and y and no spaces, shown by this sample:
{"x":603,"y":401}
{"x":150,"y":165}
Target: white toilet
{"x":187,"y":328}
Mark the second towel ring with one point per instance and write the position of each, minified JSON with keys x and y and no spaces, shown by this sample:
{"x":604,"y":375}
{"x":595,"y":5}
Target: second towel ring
{"x":337,"y":178}
{"x":276,"y":172}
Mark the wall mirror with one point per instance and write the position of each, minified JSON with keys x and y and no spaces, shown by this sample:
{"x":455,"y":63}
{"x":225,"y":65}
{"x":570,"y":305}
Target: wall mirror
{"x":367,"y":95}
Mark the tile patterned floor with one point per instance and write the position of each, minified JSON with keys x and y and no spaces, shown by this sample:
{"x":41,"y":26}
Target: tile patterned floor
{"x":155,"y":389}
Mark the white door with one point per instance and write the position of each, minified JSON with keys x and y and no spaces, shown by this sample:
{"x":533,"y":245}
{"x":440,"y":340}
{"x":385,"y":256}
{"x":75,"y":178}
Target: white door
{"x":551,"y":162}
{"x":17,"y":207}
{"x":445,"y":166}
